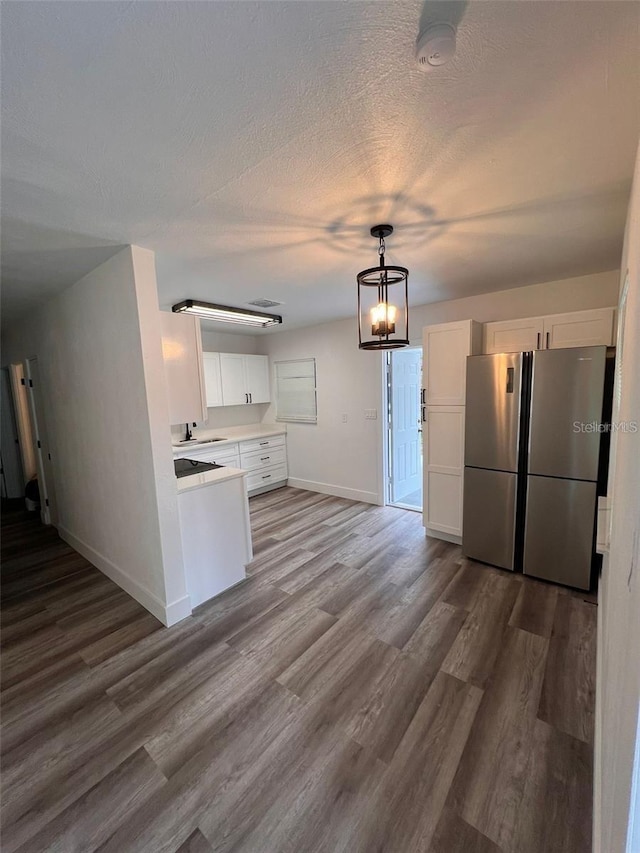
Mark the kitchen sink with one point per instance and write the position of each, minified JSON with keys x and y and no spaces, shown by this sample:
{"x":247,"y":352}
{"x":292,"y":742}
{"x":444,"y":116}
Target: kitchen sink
{"x":193,"y":442}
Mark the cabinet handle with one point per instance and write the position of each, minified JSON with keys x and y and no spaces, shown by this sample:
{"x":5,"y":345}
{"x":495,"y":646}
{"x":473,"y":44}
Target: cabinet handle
{"x":547,"y":340}
{"x":246,"y":398}
{"x":251,"y":398}
{"x":422,"y":393}
{"x":264,"y":458}
{"x":510,"y":373}
{"x":538,"y":341}
{"x":262,"y":443}
{"x":424,"y":414}
{"x":266,"y":476}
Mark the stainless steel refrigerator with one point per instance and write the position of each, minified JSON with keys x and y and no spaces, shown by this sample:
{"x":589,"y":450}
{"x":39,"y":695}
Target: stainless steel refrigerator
{"x":533,"y":460}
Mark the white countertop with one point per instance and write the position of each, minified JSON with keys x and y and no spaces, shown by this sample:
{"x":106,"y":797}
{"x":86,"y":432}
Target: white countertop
{"x":230,"y":435}
{"x":208,"y":478}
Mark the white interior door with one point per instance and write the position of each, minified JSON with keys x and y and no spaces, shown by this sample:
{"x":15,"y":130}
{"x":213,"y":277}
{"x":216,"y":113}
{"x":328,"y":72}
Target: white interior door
{"x":12,"y":477}
{"x":41,"y":443}
{"x":406,"y":447}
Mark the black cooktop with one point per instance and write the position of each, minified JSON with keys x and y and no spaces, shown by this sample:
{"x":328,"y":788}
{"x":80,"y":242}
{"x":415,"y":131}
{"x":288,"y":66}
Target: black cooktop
{"x":186,"y":467}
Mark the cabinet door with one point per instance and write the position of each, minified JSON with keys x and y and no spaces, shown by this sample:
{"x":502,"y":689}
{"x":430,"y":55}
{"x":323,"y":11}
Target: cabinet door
{"x":579,"y":329}
{"x":212,"y":378}
{"x":257,"y":373}
{"x":443,"y":468}
{"x":514,"y":335}
{"x":445,"y":350}
{"x":182,"y":351}
{"x":234,"y":384}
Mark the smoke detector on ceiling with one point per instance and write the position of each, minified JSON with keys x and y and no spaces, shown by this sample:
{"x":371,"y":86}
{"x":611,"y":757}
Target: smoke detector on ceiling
{"x":436,"y":46}
{"x":264,"y":303}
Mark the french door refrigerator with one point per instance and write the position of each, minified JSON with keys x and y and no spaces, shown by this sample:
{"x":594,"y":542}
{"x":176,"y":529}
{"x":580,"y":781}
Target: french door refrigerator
{"x":532,"y":461}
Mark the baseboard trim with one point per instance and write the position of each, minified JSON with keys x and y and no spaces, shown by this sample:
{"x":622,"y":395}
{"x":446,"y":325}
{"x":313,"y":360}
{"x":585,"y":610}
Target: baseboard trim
{"x":336,"y":491}
{"x":167,"y":614}
{"x":446,"y":537}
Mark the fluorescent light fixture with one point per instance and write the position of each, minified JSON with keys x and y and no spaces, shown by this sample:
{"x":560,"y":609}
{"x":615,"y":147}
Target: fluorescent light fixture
{"x":224,"y":314}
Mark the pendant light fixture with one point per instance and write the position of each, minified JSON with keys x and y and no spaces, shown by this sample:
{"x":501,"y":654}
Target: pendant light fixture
{"x":383,"y":301}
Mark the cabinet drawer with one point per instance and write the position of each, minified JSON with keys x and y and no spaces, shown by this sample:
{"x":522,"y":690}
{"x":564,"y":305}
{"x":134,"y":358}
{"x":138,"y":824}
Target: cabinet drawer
{"x":259,"y":479}
{"x":261,"y":443}
{"x":263,"y":458}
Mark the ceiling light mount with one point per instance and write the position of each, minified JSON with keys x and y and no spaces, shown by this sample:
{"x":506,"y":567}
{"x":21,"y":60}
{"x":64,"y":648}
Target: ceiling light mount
{"x":226,"y":314}
{"x":383,"y":301}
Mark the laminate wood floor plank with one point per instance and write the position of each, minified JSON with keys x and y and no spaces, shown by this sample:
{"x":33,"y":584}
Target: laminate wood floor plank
{"x":568,"y":690}
{"x":468,"y":584}
{"x":195,"y":843}
{"x":418,"y":779}
{"x":221,"y":778}
{"x":454,"y":835}
{"x":488,"y":791}
{"x":556,"y":805}
{"x":535,"y":608}
{"x":365,"y":690}
{"x":479,"y":642}
{"x":93,"y":817}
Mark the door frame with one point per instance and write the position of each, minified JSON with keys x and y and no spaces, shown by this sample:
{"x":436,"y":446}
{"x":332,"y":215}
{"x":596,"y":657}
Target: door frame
{"x":387,"y":453}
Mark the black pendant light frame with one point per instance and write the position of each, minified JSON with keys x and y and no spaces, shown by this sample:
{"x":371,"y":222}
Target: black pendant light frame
{"x":383,"y":277}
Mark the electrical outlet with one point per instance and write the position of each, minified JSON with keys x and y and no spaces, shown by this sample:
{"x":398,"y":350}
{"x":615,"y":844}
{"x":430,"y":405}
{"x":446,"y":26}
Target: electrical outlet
{"x":345,"y":418}
{"x":371,"y":414}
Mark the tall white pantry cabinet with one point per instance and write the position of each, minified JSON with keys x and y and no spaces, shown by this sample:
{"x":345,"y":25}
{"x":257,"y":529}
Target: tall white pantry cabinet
{"x":445,"y":350}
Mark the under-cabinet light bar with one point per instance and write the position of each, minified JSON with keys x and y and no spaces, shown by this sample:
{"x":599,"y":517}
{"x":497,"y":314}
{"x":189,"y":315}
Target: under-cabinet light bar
{"x":224,"y":314}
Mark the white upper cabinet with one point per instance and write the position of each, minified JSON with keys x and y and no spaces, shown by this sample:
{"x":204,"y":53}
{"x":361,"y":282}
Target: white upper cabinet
{"x":182,"y":351}
{"x":257,"y":373}
{"x":234,"y":385}
{"x":445,"y":350}
{"x":556,"y":331}
{"x":212,"y":378}
{"x":579,"y":329}
{"x":244,"y":378}
{"x":514,"y":335}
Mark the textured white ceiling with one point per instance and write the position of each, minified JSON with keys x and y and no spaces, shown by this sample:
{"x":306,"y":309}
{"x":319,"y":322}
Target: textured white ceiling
{"x":252,"y":145}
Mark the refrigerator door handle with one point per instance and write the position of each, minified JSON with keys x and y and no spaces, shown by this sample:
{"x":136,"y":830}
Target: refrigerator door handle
{"x":510,"y":373}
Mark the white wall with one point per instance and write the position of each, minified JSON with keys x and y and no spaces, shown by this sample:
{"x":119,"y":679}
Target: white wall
{"x":346,"y":459}
{"x":332,"y":456}
{"x":100,"y":355}
{"x":618,"y":678}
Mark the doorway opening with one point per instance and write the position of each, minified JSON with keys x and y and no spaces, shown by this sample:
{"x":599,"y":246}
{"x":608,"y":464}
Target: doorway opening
{"x":404,"y":430}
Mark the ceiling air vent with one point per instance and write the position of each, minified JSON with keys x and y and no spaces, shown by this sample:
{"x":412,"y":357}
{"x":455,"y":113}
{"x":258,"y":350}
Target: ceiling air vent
{"x":264,"y":303}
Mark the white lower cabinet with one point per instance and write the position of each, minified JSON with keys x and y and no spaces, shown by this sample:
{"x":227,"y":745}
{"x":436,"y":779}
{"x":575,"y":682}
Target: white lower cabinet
{"x":265,"y":460}
{"x":443,"y":433}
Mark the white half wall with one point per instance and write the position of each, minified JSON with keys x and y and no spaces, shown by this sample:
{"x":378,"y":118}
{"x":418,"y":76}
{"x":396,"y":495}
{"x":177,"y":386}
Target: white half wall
{"x":345,"y":459}
{"x":100,"y":355}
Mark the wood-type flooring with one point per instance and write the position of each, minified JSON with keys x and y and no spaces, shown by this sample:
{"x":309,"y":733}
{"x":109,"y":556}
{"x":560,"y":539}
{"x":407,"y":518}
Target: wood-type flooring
{"x":365,"y":690}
